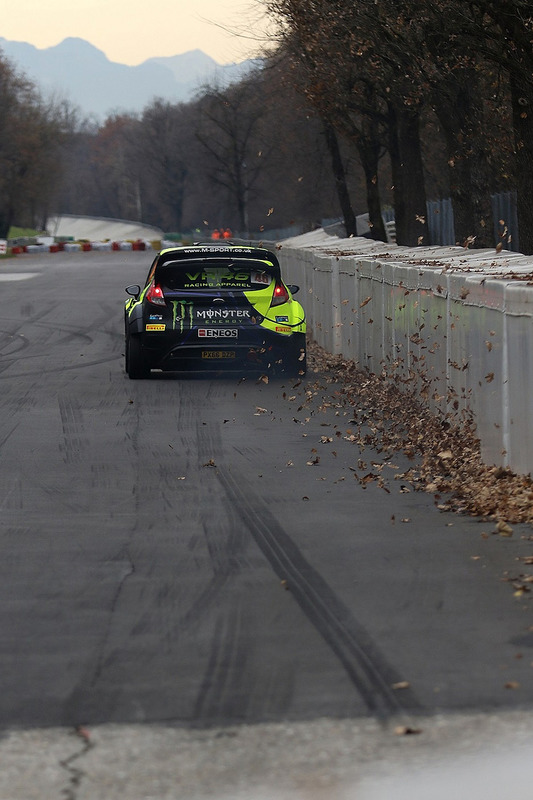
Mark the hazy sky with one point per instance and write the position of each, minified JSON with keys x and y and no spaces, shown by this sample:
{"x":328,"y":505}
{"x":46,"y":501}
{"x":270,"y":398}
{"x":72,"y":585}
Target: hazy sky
{"x":130,"y":31}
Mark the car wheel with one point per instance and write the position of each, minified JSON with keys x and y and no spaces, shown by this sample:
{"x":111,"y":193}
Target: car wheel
{"x":294,"y":362}
{"x":136,"y":363}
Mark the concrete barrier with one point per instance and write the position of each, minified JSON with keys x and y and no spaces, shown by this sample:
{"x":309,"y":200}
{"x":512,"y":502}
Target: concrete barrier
{"x":454,"y":325}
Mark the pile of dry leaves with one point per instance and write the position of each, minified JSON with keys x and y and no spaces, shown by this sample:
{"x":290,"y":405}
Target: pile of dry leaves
{"x":444,"y":455}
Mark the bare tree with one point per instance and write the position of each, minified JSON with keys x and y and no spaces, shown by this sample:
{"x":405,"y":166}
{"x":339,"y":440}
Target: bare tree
{"x":30,"y":133}
{"x":227,"y":126}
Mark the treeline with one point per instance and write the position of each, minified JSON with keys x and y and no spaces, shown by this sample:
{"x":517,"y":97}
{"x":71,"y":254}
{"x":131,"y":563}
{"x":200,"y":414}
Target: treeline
{"x":249,"y":157}
{"x":401,"y":75}
{"x":32,"y":134}
{"x":361,"y":105}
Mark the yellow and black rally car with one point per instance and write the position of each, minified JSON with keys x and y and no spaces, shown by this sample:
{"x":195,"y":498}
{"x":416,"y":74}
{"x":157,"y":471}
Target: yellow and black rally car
{"x":213,"y":307}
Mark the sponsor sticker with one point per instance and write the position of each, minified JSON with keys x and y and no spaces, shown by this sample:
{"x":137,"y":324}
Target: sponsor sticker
{"x":154,"y":317}
{"x":283,"y":329}
{"x":155,"y":326}
{"x":215,"y":314}
{"x":261,"y":277}
{"x":218,"y":333}
{"x":282,"y":319}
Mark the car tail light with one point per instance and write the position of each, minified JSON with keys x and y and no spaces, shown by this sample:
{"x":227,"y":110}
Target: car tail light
{"x":155,"y":295}
{"x":280,"y":295}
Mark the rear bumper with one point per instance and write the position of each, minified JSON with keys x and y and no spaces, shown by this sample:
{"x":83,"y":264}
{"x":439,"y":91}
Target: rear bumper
{"x":254,"y":352}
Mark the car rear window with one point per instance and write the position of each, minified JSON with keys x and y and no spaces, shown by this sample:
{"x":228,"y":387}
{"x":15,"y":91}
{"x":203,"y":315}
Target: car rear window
{"x":207,"y":274}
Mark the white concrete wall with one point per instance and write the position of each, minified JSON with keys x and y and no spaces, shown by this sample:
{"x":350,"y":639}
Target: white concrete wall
{"x":452,"y":323}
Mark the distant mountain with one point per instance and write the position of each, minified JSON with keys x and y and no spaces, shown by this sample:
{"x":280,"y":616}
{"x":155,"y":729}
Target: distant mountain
{"x":81,"y":73}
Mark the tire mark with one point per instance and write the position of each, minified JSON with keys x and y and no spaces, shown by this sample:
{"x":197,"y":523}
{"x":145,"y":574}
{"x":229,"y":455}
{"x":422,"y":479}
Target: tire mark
{"x":219,"y":697}
{"x":72,"y":421}
{"x":365,"y":666}
{"x":12,"y":342}
{"x":126,"y":567}
{"x":62,"y":369}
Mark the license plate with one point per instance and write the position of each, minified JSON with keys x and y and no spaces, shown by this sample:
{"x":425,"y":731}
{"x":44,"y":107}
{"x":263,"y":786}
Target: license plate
{"x":218,"y":354}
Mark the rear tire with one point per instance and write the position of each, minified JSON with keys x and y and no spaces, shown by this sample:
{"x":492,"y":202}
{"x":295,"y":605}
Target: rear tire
{"x":295,"y":362}
{"x":136,"y":363}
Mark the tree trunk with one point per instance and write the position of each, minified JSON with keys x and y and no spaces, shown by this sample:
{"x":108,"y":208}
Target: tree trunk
{"x":405,"y":152}
{"x":461,"y":118}
{"x":522,"y":101}
{"x":6,"y":218}
{"x":339,"y":174}
{"x":369,"y":154}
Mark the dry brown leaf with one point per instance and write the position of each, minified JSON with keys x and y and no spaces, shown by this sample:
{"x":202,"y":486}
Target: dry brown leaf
{"x":406,"y":730}
{"x":503,"y":528}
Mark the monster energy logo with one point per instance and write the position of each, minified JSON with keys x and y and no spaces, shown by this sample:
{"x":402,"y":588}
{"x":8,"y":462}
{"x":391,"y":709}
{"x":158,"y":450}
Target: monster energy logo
{"x":218,"y":313}
{"x":181,"y":312}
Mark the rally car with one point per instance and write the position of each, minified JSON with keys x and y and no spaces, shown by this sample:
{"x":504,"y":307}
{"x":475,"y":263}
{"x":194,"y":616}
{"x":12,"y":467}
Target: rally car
{"x":214,"y":307}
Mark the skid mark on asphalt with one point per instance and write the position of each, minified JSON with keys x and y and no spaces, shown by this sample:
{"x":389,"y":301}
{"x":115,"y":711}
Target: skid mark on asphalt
{"x":125,"y":567}
{"x":72,"y":421}
{"x":365,"y":666}
{"x":219,"y":694}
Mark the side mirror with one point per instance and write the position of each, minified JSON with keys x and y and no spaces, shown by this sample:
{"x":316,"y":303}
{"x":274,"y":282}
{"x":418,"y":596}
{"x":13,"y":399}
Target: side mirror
{"x":293,"y":288}
{"x":134,"y":290}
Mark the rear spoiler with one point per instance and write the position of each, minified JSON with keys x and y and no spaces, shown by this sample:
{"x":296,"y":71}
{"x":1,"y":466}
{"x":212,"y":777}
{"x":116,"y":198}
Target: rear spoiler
{"x":203,"y":251}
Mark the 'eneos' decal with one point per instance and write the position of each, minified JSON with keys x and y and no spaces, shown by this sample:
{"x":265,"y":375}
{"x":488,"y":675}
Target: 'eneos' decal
{"x":155,"y":326}
{"x":218,"y":333}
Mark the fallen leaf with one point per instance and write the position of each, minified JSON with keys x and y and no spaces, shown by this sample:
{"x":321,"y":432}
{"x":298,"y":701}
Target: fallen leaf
{"x":406,"y":730}
{"x":83,"y":733}
{"x":503,"y":528}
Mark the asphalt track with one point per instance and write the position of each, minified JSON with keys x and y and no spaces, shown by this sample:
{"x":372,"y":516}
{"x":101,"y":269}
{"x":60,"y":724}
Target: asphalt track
{"x":197,"y":551}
